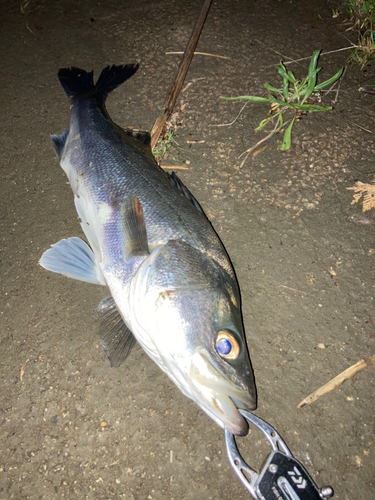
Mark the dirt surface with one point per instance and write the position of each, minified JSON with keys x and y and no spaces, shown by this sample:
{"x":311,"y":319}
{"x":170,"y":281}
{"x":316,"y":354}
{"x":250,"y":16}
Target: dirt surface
{"x":72,"y":427}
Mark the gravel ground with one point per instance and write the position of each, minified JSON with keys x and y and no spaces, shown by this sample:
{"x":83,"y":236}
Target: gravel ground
{"x":71,"y":426}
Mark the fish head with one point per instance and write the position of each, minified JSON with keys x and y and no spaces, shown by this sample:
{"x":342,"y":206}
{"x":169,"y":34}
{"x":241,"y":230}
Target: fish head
{"x":186,"y":315}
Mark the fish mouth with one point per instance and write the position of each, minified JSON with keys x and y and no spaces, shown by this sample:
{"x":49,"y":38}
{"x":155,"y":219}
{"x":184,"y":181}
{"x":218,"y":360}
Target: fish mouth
{"x":219,"y":397}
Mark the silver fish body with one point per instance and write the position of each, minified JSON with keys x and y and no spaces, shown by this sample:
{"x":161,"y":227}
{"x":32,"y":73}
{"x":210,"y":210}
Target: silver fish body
{"x":173,"y":288}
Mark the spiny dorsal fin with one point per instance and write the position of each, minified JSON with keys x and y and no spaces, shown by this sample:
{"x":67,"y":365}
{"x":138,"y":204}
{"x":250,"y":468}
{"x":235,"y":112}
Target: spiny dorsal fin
{"x":176,"y":181}
{"x":116,"y":338}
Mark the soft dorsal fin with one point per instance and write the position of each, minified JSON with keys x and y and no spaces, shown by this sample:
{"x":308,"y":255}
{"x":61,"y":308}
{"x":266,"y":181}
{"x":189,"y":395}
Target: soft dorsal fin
{"x":140,"y":139}
{"x":142,"y":136}
{"x":116,"y":338}
{"x":176,"y":181}
{"x":58,"y":142}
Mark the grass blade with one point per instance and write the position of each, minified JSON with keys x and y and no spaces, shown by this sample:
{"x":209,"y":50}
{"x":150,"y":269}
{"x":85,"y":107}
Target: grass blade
{"x":311,"y":76}
{"x":263,"y":123}
{"x":311,"y":84}
{"x":271,"y":88}
{"x":292,"y":78}
{"x":329,"y":82}
{"x":282,"y":71}
{"x":251,"y":98}
{"x":286,"y":89}
{"x":288,"y":136}
{"x":313,"y":62}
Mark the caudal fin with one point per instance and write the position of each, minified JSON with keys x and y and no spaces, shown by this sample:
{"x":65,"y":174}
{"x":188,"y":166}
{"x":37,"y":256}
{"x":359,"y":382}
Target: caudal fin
{"x":78,"y":82}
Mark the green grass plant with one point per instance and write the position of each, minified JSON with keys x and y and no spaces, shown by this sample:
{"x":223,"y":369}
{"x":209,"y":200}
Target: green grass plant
{"x":292,"y":97}
{"x":162,"y":146}
{"x":363,"y":15}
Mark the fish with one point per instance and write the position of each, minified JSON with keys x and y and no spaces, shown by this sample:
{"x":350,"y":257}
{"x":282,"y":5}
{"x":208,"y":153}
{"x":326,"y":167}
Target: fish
{"x":173,"y":289}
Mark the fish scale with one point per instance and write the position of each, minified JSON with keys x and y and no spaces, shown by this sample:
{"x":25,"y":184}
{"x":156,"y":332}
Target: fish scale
{"x":167,"y":211}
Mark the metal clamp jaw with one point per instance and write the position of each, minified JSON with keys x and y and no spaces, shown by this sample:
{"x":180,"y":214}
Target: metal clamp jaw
{"x":283,"y":477}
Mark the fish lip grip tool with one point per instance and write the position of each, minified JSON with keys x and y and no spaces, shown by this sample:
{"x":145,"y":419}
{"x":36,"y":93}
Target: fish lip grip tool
{"x":282,"y":477}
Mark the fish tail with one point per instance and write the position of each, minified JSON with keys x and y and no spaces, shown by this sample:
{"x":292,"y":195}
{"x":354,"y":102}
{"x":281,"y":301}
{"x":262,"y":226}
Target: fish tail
{"x":78,"y":82}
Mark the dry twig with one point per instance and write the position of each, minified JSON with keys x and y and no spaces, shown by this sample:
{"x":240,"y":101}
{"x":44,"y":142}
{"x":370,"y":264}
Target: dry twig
{"x":337,"y":381}
{"x":363,"y":128}
{"x":191,"y":83}
{"x":181,"y":73}
{"x":23,"y":368}
{"x":231,"y":123}
{"x":201,"y":54}
{"x":249,"y":151}
{"x":321,"y":54}
{"x":175,"y":167}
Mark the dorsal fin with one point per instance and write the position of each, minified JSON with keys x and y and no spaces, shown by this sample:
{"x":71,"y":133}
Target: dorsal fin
{"x":176,"y":181}
{"x":58,"y":142}
{"x":141,"y":135}
{"x":140,"y":139}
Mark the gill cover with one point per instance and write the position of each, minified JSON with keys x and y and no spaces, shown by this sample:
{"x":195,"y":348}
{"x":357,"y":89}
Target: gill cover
{"x":182,"y":302}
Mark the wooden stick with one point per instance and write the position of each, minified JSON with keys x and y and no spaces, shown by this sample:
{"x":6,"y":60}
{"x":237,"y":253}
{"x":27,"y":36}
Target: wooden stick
{"x":335,"y":382}
{"x":181,"y":73}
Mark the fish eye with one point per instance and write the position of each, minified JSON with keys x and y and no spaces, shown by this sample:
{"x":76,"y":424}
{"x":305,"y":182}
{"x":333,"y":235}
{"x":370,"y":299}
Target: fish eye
{"x":227,"y":345}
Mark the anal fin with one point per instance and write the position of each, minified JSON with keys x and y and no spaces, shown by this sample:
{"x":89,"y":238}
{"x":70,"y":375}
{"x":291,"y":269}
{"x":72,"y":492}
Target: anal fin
{"x":116,"y":338}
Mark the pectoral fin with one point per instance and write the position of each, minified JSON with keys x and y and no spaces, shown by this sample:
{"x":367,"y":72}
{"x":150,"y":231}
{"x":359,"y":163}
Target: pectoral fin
{"x":134,"y":227}
{"x":75,"y":259}
{"x":116,"y":338}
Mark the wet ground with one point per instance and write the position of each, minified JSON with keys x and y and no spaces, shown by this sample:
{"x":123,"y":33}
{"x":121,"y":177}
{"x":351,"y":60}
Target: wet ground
{"x":72,"y":427}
